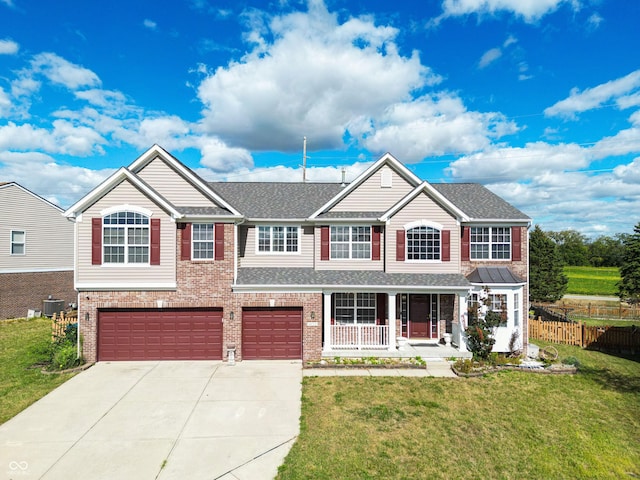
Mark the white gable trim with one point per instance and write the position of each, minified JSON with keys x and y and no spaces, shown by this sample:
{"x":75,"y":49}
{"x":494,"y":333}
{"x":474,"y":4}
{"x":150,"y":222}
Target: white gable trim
{"x":386,"y":159}
{"x":38,"y":197}
{"x":114,"y":180}
{"x":426,"y":188}
{"x":157,"y":151}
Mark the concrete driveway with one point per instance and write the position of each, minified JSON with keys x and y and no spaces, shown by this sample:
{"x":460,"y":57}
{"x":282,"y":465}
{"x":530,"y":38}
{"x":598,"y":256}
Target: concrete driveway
{"x":159,"y":420}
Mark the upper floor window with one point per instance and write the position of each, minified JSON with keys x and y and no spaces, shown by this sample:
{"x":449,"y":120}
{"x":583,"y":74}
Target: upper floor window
{"x":490,"y":243}
{"x":202,"y":241}
{"x":358,"y":308}
{"x":125,"y":238}
{"x":351,"y":242}
{"x":423,"y":243}
{"x":278,"y":239}
{"x":17,"y":242}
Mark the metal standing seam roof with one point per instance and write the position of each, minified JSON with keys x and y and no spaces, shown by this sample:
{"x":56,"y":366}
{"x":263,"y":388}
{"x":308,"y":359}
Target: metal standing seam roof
{"x":272,"y":200}
{"x":273,"y":276}
{"x":494,"y":275}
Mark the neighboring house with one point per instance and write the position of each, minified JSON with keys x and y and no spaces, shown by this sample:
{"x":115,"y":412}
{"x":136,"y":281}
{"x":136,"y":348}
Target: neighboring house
{"x":36,"y":252}
{"x":169,"y":266}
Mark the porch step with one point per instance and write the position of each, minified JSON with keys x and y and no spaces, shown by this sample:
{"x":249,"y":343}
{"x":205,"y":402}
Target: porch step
{"x":425,"y":351}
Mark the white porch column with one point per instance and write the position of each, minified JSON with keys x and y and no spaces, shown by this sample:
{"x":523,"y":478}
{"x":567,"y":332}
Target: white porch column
{"x":391,"y":306}
{"x":463,"y":319}
{"x":326,"y":321}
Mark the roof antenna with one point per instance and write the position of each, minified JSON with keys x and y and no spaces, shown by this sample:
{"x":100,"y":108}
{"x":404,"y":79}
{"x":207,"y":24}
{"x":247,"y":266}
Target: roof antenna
{"x":344,"y":172}
{"x":304,"y":159}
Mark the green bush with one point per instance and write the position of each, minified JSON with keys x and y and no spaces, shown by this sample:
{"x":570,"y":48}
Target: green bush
{"x":65,"y":356}
{"x":571,"y":360}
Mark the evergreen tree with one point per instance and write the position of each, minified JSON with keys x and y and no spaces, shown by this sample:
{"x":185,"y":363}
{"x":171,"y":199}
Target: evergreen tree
{"x":547,"y":281}
{"x":629,"y":285}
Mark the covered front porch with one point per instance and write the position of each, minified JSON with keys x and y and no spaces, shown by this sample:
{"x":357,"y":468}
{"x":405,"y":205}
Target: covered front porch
{"x":404,"y":324}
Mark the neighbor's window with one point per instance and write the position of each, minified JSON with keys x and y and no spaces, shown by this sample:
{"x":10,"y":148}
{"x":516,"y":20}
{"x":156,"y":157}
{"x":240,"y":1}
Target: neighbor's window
{"x":351,"y":242}
{"x":278,"y":239}
{"x":202,"y":241}
{"x":355,"y":308}
{"x":490,"y":243}
{"x":125,"y":238}
{"x":17,"y":242}
{"x":423,"y":243}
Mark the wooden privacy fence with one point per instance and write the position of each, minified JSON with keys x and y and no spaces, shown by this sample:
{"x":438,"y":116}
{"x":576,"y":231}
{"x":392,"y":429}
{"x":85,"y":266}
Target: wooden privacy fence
{"x":60,"y":322}
{"x":613,"y":339}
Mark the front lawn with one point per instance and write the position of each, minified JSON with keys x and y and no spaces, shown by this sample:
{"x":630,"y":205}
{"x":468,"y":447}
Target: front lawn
{"x":509,"y":425}
{"x":22,"y":343}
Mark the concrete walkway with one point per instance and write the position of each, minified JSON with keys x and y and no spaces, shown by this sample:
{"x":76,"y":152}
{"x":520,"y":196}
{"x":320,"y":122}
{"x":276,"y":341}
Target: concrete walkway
{"x":435,"y":368}
{"x":159,"y":420}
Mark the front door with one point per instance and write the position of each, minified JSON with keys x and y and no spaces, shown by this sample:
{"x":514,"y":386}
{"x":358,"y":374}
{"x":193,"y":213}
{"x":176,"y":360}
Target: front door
{"x":423,"y":315}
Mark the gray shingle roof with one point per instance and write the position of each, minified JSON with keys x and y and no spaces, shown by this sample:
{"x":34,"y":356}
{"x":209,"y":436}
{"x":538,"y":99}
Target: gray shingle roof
{"x":203,"y":211}
{"x":310,"y":277}
{"x":493,"y":275}
{"x":371,"y":215}
{"x":276,"y":200}
{"x":478,"y":202}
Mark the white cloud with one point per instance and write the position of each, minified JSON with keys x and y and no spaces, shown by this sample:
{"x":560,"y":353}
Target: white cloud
{"x":489,"y":57}
{"x":595,"y":97}
{"x":5,"y":103}
{"x":62,"y":72}
{"x":314,"y":78}
{"x":594,"y":21}
{"x":8,"y":47}
{"x":529,"y":10}
{"x":150,"y":24}
{"x":219,"y":157}
{"x":629,"y":173}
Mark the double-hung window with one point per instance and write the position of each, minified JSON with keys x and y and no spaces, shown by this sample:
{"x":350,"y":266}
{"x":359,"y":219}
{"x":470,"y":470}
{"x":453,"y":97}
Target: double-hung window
{"x":278,"y":239}
{"x":202,"y":241}
{"x":17,"y":242}
{"x":126,"y":238}
{"x":350,"y":242}
{"x":490,"y":243}
{"x":355,"y":308}
{"x":495,"y":301}
{"x":423,"y":243}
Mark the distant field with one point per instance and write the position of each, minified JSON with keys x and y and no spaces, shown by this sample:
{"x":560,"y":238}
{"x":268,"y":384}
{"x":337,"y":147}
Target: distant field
{"x":592,"y":280}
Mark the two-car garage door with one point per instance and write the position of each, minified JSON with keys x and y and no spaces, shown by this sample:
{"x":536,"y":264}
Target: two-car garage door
{"x":151,"y":334}
{"x":196,"y":334}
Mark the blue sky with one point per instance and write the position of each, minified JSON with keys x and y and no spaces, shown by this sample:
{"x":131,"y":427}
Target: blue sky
{"x":539,"y":100}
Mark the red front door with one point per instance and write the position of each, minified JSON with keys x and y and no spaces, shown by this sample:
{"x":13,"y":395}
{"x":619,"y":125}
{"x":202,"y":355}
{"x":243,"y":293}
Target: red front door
{"x":423,"y":316}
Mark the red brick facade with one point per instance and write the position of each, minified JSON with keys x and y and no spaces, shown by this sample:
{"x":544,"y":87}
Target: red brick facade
{"x":206,"y":284}
{"x":20,"y":292}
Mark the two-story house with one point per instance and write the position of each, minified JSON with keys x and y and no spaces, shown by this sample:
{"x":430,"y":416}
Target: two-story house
{"x":36,"y":252}
{"x":169,"y":266}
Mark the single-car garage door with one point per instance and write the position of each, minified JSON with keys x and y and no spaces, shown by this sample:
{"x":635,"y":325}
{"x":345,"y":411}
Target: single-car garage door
{"x":272,"y":334}
{"x":149,"y":334}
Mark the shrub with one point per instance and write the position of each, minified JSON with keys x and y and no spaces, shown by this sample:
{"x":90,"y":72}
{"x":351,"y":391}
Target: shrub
{"x":571,"y":360}
{"x":64,"y":357}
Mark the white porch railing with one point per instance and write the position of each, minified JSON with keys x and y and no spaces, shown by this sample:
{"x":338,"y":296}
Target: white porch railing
{"x":359,"y":337}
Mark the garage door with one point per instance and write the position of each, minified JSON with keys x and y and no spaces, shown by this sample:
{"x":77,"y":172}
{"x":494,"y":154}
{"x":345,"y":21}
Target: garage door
{"x":273,"y":334}
{"x":149,"y":334}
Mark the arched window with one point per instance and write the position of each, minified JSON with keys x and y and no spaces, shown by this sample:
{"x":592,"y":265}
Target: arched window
{"x":423,"y":243}
{"x":125,"y":238}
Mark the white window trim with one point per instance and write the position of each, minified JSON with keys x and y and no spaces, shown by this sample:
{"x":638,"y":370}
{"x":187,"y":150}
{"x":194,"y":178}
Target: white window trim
{"x":126,"y":208}
{"x":490,"y":259}
{"x":12,"y":243}
{"x":355,"y":308}
{"x":509,"y":303}
{"x":126,"y":262}
{"x":351,"y":242}
{"x":421,"y":223}
{"x":193,"y":258}
{"x":271,"y":252}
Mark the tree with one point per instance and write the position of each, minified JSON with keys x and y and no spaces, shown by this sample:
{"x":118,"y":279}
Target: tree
{"x":629,"y":285}
{"x":606,"y":251}
{"x":482,"y":326}
{"x":547,"y":281}
{"x":572,"y":247}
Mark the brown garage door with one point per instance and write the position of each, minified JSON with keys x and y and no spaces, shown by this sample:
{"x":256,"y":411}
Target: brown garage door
{"x":149,"y":334}
{"x":272,"y":334}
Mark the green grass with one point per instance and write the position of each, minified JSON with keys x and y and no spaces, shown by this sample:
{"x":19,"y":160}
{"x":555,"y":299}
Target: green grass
{"x":21,"y":345}
{"x":592,"y":280}
{"x":509,"y":425}
{"x":597,"y":322}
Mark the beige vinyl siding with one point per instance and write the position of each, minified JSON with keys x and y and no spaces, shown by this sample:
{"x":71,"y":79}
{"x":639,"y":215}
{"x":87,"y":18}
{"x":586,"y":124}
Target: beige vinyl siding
{"x":422,"y":208}
{"x":343,"y":264}
{"x":48,"y":235}
{"x":110,"y":275}
{"x":370,"y":196}
{"x":172,"y":186}
{"x":247,"y":238}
